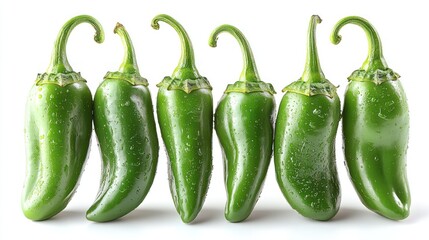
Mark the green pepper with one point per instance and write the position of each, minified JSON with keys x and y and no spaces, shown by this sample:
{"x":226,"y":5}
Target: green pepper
{"x":375,"y":130}
{"x":304,"y":145}
{"x":126,"y":132}
{"x":244,"y":124}
{"x":58,"y":127}
{"x":185,"y":117}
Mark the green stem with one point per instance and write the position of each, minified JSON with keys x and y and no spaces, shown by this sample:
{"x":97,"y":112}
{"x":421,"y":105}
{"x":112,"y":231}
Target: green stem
{"x":250,"y":72}
{"x":59,"y":62}
{"x":186,"y":68}
{"x":375,"y":59}
{"x":312,"y":70}
{"x":129,"y":63}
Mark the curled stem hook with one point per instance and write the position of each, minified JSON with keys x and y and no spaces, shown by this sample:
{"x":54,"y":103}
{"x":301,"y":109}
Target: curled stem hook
{"x":186,"y":68}
{"x":250,"y":72}
{"x":59,"y":62}
{"x":375,"y":59}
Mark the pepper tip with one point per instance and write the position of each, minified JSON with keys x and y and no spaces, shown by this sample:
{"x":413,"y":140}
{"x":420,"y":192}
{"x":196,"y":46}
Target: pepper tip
{"x":213,"y":42}
{"x":117,"y":27}
{"x":155,"y":24}
{"x":316,"y":18}
{"x":336,"y":39}
{"x":99,"y":37}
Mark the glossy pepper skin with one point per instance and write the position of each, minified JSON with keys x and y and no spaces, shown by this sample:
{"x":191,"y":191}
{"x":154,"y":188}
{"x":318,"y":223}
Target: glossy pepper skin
{"x":375,"y":130}
{"x":304,"y":149}
{"x":126,"y":132}
{"x":244,"y":124}
{"x":185,"y":117}
{"x":58,"y":127}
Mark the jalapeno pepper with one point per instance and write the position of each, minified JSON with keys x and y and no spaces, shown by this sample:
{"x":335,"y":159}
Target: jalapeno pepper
{"x":185,"y":116}
{"x":244,"y":124}
{"x":304,"y":148}
{"x":126,"y":132}
{"x":375,"y":129}
{"x":58,"y":127}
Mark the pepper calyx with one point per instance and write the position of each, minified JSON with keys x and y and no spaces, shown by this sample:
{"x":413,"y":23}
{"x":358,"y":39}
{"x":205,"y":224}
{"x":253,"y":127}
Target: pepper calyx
{"x":312,"y":88}
{"x":249,"y":87}
{"x":61,"y":79}
{"x":377,"y":76}
{"x":186,"y":85}
{"x":132,"y":78}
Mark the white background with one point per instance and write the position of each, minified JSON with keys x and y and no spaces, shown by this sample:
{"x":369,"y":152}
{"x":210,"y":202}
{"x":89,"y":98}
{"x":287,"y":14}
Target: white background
{"x":276,"y":31}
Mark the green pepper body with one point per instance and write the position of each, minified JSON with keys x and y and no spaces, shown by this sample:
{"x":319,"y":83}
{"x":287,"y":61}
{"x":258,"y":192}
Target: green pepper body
{"x":58,"y":127}
{"x":375,"y":130}
{"x":126,"y":132}
{"x":304,"y":149}
{"x":185,"y":117}
{"x":186,"y":123}
{"x":244,"y":125}
{"x":305,"y":153}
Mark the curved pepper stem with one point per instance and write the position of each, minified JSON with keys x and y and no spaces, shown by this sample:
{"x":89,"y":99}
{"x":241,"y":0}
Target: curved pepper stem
{"x":186,"y":68}
{"x":375,"y":59}
{"x":250,"y":72}
{"x":129,"y":63}
{"x":59,"y":62}
{"x":312,"y":70}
